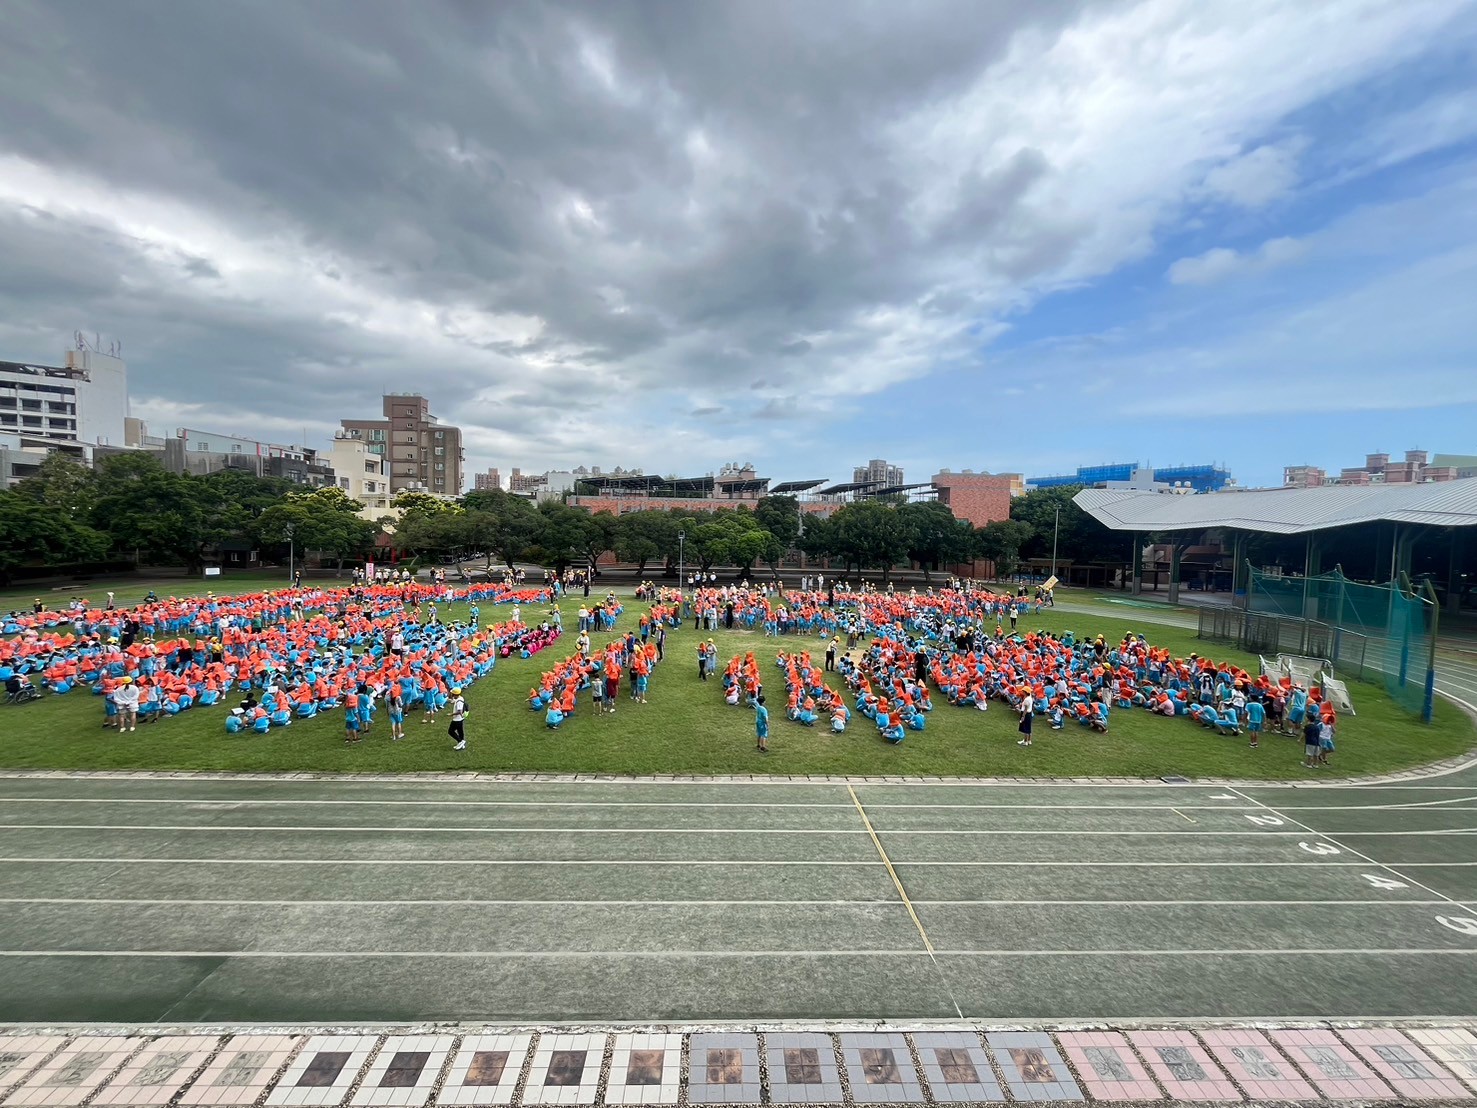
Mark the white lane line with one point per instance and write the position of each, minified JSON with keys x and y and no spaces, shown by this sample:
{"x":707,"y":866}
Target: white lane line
{"x":186,"y":802}
{"x":1345,"y":846}
{"x":156,"y":860}
{"x":715,"y":903}
{"x":730,"y":862}
{"x":350,"y":828}
{"x":1185,"y":833}
{"x":1252,"y":952}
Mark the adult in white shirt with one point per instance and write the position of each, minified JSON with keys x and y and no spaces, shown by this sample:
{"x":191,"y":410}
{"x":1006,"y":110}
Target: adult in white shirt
{"x":125,"y":696}
{"x":1027,"y":709}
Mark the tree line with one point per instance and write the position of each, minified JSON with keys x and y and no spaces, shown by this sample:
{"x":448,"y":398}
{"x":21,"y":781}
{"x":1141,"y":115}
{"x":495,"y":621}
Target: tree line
{"x":129,"y":508}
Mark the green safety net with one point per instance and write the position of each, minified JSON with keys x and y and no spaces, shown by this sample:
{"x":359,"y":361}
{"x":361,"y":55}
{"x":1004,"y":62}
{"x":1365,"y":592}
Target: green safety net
{"x":1369,"y":632}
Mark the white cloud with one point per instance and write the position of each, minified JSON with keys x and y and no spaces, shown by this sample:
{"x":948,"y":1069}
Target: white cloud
{"x":1223,"y":262}
{"x":1256,"y":178}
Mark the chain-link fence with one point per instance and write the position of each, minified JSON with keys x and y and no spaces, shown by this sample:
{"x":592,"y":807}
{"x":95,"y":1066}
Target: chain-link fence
{"x":1368,"y":632}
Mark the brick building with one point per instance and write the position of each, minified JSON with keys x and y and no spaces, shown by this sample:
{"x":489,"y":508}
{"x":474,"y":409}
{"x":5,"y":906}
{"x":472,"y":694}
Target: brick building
{"x":980,"y":498}
{"x":492,"y":479}
{"x":424,"y":453}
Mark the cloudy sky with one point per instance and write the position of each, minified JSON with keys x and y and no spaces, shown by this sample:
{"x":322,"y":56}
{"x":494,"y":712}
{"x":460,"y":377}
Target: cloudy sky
{"x":980,"y":234}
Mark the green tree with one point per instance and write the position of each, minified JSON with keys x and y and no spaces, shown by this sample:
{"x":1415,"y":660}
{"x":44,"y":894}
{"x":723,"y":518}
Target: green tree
{"x":515,"y":527}
{"x":869,"y":533}
{"x":62,"y":484}
{"x":1080,"y":537}
{"x":32,"y":533}
{"x":325,"y":520}
{"x":643,"y":536}
{"x":1001,"y":541}
{"x":152,"y":514}
{"x":563,"y":538}
{"x":937,"y":538}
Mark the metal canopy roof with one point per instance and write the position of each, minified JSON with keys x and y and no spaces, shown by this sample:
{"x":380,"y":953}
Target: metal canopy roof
{"x":796,"y":486}
{"x":1286,"y":511}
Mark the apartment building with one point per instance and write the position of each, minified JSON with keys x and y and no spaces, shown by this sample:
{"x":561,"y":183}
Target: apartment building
{"x":423,"y":453}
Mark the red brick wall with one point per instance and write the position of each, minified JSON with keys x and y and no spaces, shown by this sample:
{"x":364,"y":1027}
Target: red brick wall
{"x":980,"y":498}
{"x":618,"y":505}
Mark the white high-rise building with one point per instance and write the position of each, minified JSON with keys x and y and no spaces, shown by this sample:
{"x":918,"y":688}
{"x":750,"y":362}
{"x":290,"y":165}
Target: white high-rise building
{"x":84,"y":401}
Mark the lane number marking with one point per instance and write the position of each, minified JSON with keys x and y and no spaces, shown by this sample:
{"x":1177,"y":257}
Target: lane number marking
{"x":1383,"y":882}
{"x":1320,"y":848}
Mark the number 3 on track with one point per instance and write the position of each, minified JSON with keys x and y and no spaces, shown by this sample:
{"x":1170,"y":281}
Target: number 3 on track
{"x":1320,"y":848}
{"x":1465,"y":925}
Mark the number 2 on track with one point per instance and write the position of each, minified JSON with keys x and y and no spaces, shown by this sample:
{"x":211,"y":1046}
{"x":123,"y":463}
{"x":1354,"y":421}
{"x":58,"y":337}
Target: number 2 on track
{"x":1265,"y":821}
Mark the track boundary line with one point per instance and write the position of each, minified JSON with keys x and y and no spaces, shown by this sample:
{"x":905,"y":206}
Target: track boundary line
{"x":1014,"y":832}
{"x":421,"y":903}
{"x":160,"y":860}
{"x":908,"y":904}
{"x":1254,"y":952}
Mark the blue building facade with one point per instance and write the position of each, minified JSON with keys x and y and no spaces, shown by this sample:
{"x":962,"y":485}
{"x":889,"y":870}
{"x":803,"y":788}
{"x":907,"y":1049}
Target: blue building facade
{"x":1201,"y":478}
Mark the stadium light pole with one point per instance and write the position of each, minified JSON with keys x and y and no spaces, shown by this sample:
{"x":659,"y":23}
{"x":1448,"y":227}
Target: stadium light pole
{"x":1055,"y":531}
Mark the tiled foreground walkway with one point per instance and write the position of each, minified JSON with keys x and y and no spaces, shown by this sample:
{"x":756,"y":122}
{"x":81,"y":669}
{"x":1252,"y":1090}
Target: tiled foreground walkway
{"x":446,"y":1067}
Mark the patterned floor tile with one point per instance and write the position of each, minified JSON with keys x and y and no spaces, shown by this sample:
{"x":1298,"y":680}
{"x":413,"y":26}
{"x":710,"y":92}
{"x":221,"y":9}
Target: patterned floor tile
{"x":880,"y":1068}
{"x":645,"y":1069}
{"x":1403,"y":1064}
{"x":1454,"y":1046}
{"x":241,"y":1072}
{"x":1333,"y":1068}
{"x":20,"y":1054}
{"x":802,"y":1068}
{"x":324,"y":1070}
{"x":957,"y":1066}
{"x":75,"y":1072}
{"x":566,"y":1069}
{"x":1032,"y":1067}
{"x":158,"y":1071}
{"x":405,"y":1070}
{"x":485,"y":1069}
{"x":1107,"y":1066}
{"x":1181,"y":1064}
{"x":1250,"y":1058}
{"x":723,"y":1068}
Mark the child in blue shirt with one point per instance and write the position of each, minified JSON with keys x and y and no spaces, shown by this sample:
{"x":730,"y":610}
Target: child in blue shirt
{"x":761,"y":724}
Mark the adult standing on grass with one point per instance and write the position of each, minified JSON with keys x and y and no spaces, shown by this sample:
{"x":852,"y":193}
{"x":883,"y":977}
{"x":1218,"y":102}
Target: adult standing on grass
{"x":1028,"y":711}
{"x":125,"y":696}
{"x":761,"y":724}
{"x":457,"y":727}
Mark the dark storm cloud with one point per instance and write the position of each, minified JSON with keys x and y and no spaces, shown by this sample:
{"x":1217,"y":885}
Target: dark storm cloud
{"x":647,"y":197}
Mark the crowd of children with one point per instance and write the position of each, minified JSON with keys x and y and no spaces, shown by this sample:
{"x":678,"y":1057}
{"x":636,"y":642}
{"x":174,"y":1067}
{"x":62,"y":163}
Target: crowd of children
{"x":292,"y":653}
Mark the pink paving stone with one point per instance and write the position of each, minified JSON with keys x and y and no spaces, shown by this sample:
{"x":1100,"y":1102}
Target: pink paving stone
{"x":1251,"y":1059}
{"x":1404,"y":1064}
{"x":1333,"y":1067}
{"x":1455,"y":1046}
{"x":1107,"y":1066}
{"x":158,"y":1071}
{"x":242,"y":1071}
{"x":1181,"y":1064}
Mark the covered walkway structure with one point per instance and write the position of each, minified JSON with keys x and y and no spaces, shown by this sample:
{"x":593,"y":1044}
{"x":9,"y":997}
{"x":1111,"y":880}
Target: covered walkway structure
{"x":1436,"y":514}
{"x":1390,"y":625}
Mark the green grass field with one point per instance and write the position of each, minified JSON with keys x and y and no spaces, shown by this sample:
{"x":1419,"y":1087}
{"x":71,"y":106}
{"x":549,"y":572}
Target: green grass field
{"x":686,"y":728}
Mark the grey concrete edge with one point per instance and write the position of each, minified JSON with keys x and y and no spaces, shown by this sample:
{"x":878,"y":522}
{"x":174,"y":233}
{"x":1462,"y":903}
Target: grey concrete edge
{"x":1435,"y":769}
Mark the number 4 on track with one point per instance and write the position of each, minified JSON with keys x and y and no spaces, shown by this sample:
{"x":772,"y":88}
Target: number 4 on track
{"x":1466,"y":925}
{"x":1383,"y":882}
